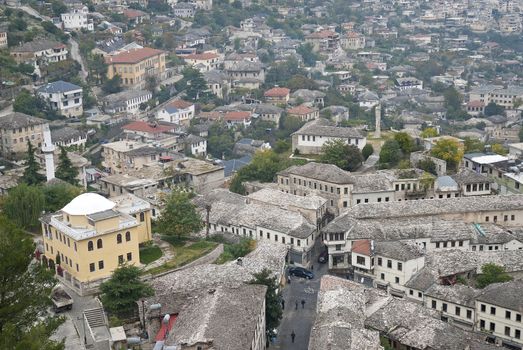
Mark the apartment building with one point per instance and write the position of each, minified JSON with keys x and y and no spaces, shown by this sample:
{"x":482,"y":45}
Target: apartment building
{"x":504,"y":97}
{"x":323,"y":41}
{"x":40,"y":51}
{"x":277,"y":96}
{"x":127,"y":102}
{"x":456,"y":303}
{"x":16,"y":130}
{"x":353,"y":41}
{"x":311,"y":137}
{"x":123,"y":156}
{"x":64,"y":97}
{"x":3,"y":38}
{"x":177,"y":111}
{"x":77,"y":19}
{"x":135,"y":65}
{"x":204,"y":62}
{"x":304,"y":113}
{"x":91,"y":236}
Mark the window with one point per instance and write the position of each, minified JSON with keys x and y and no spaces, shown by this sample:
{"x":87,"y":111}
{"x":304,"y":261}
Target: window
{"x":483,"y":308}
{"x":492,"y":310}
{"x":482,"y":324}
{"x":518,"y":317}
{"x":276,"y":238}
{"x":444,"y":307}
{"x":268,"y":235}
{"x":505,"y":217}
{"x":411,"y":292}
{"x":75,"y":246}
{"x":486,"y":218}
{"x":389,"y":264}
{"x":127,"y":236}
{"x":434,"y":304}
{"x":299,"y":242}
{"x":360,"y":260}
{"x":119,"y":238}
{"x":512,"y":217}
{"x":437,"y":244}
{"x":99,"y":244}
{"x":77,"y":268}
{"x":366,"y":200}
{"x":90,"y":246}
{"x":379,"y":261}
{"x":400,"y":266}
{"x":492,"y":326}
{"x":397,"y":280}
{"x":382,"y":276}
{"x":458,"y":311}
{"x":469,"y":314}
{"x":91,"y":267}
{"x":142,"y":217}
{"x":68,"y":242}
{"x":100,"y":265}
{"x":358,"y":201}
{"x":507,"y":331}
{"x":345,"y":204}
{"x":517,"y":334}
{"x":460,"y":243}
{"x":129,"y":256}
{"x":508,"y":315}
{"x":120,"y":259}
{"x":420,"y":295}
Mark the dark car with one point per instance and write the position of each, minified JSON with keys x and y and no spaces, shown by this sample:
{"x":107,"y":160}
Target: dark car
{"x":301,"y":272}
{"x":323,"y":257}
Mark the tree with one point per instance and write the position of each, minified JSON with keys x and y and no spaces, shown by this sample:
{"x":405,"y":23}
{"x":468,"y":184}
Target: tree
{"x":300,"y":82}
{"x":151,"y":83}
{"x":453,"y":98}
{"x":24,"y":205}
{"x":473,"y":145}
{"x":57,"y":196}
{"x":25,"y":287}
{"x":499,"y":149}
{"x":273,"y":310}
{"x":29,"y":104}
{"x":493,"y":109}
{"x":449,"y":150}
{"x":390,"y":153}
{"x":367,"y":151}
{"x":65,"y":170}
{"x":179,"y":217}
{"x":405,"y":142}
{"x":58,"y":7}
{"x":344,"y":156}
{"x":520,"y":134}
{"x":121,"y":292}
{"x":492,"y":273}
{"x":429,"y":132}
{"x":31,"y":175}
{"x":428,"y":165}
{"x":112,"y":85}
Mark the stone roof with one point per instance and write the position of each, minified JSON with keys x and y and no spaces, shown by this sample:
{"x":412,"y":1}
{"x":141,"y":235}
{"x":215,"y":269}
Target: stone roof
{"x":398,"y":250}
{"x":319,"y":171}
{"x":58,"y":86}
{"x":324,"y":127}
{"x":457,"y":294}
{"x":468,"y":176}
{"x":133,"y":56}
{"x":17,"y":120}
{"x":38,"y":45}
{"x":287,"y":200}
{"x":506,"y":295}
{"x":422,"y":280}
{"x":377,"y":182}
{"x":121,"y":97}
{"x":65,"y":134}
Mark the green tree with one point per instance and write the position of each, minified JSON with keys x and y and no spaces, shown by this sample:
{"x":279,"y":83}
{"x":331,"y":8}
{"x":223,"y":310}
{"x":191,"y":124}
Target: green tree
{"x":344,"y":156}
{"x":429,"y":132}
{"x":25,"y":287}
{"x":57,"y":196}
{"x":29,"y":104}
{"x":367,"y":151}
{"x":65,"y":170}
{"x":273,"y":310}
{"x":493,"y":109}
{"x":520,"y":134}
{"x":428,"y":165}
{"x":221,"y":140}
{"x":473,"y":145}
{"x":307,"y":53}
{"x":121,"y":292}
{"x":300,"y":82}
{"x":492,"y":273}
{"x":390,"y":153}
{"x":499,"y":149}
{"x":24,"y":205}
{"x":448,"y":150}
{"x":58,"y":7}
{"x":112,"y":85}
{"x":281,"y":146}
{"x":31,"y":175}
{"x":179,"y":217}
{"x":405,"y":141}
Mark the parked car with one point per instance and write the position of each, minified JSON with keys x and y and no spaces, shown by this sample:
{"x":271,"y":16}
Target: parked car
{"x":61,"y":299}
{"x":323,"y":257}
{"x":301,"y":272}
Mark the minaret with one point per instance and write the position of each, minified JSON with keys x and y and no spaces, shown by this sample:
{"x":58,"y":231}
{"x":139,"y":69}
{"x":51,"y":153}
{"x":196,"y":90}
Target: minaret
{"x":377,"y":113}
{"x":48,"y":150}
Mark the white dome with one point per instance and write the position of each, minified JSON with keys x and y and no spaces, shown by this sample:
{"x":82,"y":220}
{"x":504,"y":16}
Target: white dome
{"x":88,"y":203}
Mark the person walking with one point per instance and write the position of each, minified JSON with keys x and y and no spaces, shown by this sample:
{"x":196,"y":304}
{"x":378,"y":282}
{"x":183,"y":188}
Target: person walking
{"x":293,"y":335}
{"x":303,"y":304}
{"x":296,"y":305}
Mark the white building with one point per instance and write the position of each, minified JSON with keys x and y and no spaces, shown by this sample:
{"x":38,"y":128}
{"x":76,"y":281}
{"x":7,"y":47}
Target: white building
{"x":77,"y":19}
{"x":64,"y":97}
{"x":126,"y":101}
{"x":177,"y":111}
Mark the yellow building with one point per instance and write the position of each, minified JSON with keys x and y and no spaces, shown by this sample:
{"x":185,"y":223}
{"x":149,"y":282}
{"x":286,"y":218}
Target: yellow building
{"x":133,"y":66}
{"x":92,"y":235}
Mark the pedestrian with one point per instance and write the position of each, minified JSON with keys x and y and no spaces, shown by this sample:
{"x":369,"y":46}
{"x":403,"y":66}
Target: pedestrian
{"x":283,"y":304}
{"x":303,"y":304}
{"x":296,"y":305}
{"x":293,"y":335}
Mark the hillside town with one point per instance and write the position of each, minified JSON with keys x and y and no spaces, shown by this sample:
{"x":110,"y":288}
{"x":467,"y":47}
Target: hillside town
{"x":237,"y":174}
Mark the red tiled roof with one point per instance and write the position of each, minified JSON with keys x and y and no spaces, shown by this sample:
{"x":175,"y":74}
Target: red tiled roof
{"x":201,"y":56}
{"x":277,"y":92}
{"x":302,"y":109}
{"x":180,"y":104}
{"x":475,"y":104}
{"x":133,"y":56}
{"x":131,"y":13}
{"x":147,"y":127}
{"x":361,"y":247}
{"x":237,"y":115}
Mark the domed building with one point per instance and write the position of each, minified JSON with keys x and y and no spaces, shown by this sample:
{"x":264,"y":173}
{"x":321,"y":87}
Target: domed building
{"x":92,"y":235}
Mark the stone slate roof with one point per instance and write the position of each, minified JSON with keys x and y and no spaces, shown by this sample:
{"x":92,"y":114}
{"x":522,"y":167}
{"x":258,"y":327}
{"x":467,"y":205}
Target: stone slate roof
{"x":145,"y":151}
{"x":507,"y":295}
{"x":19,"y":120}
{"x":65,"y":134}
{"x":468,"y":176}
{"x":398,"y":250}
{"x":323,"y":127}
{"x":322,"y":172}
{"x":58,"y":86}
{"x":458,"y":294}
{"x":422,"y":280}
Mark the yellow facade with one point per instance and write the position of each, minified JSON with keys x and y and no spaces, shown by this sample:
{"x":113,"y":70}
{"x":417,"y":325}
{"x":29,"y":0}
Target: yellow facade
{"x":134,"y":66}
{"x":91,"y":246}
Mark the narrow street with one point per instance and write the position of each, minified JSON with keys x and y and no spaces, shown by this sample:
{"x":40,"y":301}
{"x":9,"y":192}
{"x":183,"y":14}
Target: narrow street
{"x":299,"y":320}
{"x":75,"y":55}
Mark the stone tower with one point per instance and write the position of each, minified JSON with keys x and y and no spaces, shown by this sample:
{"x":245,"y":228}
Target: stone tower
{"x":377,"y":113}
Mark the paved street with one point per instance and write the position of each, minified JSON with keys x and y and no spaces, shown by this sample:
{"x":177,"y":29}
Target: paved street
{"x":301,"y":320}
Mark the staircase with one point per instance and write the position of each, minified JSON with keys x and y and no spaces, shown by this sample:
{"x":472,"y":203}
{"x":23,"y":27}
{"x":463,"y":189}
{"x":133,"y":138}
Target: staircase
{"x":95,"y":317}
